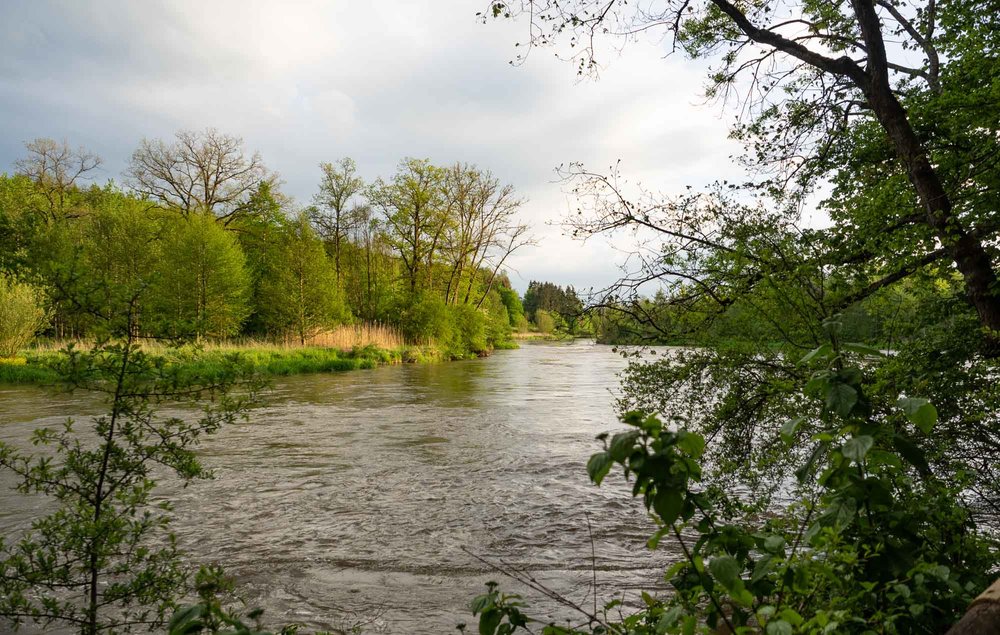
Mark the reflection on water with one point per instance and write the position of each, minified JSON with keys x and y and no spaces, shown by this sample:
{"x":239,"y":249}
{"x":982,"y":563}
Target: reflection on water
{"x":359,"y":492}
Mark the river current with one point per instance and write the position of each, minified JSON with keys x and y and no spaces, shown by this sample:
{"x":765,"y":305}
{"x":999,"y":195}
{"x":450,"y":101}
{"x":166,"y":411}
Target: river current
{"x":361,"y":497}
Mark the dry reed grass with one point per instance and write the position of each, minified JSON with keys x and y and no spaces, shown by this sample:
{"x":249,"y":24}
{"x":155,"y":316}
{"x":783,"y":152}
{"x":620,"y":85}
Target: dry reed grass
{"x":347,"y":337}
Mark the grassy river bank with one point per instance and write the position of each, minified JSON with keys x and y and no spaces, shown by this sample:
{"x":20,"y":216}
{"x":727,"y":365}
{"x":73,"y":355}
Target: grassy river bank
{"x":40,"y":366}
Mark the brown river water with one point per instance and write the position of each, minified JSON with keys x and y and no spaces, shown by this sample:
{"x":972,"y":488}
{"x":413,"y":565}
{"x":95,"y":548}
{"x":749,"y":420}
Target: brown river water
{"x":353,"y":497}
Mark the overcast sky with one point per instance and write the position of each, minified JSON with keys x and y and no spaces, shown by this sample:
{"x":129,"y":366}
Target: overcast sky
{"x":304,"y":82}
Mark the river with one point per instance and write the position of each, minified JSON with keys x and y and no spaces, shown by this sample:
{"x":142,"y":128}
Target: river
{"x":353,"y":497}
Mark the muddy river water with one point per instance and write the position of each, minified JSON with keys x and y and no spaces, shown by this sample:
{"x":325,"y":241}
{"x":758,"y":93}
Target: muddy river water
{"x":357,"y":497}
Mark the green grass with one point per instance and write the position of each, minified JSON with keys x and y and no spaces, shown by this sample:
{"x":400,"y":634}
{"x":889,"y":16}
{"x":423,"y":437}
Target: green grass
{"x":216,"y":360}
{"x":36,"y":367}
{"x":29,"y":368}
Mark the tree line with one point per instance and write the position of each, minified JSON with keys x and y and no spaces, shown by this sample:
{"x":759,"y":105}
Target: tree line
{"x":201,"y":242}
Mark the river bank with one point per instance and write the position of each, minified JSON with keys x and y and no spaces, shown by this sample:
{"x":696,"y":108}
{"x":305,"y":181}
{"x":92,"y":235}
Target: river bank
{"x":39,"y":367}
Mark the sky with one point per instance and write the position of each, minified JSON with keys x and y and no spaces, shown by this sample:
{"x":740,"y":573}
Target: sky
{"x":304,"y":82}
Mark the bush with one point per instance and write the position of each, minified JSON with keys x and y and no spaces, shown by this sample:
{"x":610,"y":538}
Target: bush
{"x":21,"y":315}
{"x":469,"y":332}
{"x":545,"y":322}
{"x":426,"y":319}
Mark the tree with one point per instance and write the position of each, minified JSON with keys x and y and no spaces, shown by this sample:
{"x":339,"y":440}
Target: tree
{"x":200,"y":172}
{"x":483,"y":230}
{"x":778,"y":399}
{"x":372,"y":269}
{"x":412,"y":206}
{"x":818,"y":78}
{"x":121,"y":248}
{"x":301,"y":295}
{"x":552,"y":298}
{"x":512,"y":302}
{"x":335,"y":216}
{"x":202,"y":284}
{"x":105,"y":560}
{"x":56,"y":168}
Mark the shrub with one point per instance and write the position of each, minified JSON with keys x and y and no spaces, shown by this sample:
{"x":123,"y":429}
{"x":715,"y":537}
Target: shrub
{"x":544,"y":321}
{"x":426,"y":319}
{"x":21,"y":315}
{"x":469,"y":332}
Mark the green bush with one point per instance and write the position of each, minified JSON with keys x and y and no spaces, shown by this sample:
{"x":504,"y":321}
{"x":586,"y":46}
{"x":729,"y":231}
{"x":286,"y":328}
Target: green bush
{"x":468,"y":332}
{"x":425,"y":319}
{"x":21,"y":315}
{"x":545,"y":321}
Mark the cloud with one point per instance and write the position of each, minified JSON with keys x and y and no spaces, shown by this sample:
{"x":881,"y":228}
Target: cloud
{"x":310,"y":81}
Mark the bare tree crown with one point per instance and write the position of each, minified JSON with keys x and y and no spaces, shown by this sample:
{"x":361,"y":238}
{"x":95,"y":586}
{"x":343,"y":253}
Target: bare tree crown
{"x":205,"y":171}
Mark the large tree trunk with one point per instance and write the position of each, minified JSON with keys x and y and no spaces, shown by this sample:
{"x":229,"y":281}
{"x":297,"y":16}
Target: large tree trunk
{"x":983,"y":615}
{"x":964,"y":248}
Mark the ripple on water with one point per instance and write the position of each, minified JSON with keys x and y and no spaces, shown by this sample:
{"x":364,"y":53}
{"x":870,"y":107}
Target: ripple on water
{"x":363,"y":495}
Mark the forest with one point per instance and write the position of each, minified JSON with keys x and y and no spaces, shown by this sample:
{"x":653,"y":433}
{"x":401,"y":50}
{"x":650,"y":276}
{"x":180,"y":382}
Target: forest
{"x":201,"y":244}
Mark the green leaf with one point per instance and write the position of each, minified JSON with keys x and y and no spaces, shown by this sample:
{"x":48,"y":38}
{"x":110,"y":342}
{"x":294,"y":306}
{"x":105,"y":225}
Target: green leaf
{"x":480,"y":603}
{"x":774,"y":544}
{"x":823,"y":351}
{"x":841,"y":398}
{"x":598,"y":467}
{"x":778,"y":627}
{"x":789,"y":427}
{"x":690,"y":442}
{"x":911,"y":453}
{"x":791,"y":617}
{"x":804,"y":470}
{"x":654,"y":540}
{"x":668,"y":619}
{"x":761,"y":569}
{"x":667,"y":505}
{"x":840,"y":513}
{"x":726,"y":570}
{"x":920,"y":412}
{"x":856,"y":448}
{"x":622,"y":444}
{"x":489,"y":621}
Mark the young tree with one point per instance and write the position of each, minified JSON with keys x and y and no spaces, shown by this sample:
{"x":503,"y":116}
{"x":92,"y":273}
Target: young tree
{"x":336,"y":214}
{"x":105,"y":560}
{"x":300,"y":295}
{"x":200,"y":172}
{"x":202,"y":285}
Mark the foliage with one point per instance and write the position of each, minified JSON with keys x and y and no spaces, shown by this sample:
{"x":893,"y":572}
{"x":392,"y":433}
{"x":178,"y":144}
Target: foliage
{"x":874,"y":541}
{"x":554,"y":299}
{"x":104,"y":559}
{"x":512,"y":302}
{"x":545,"y":321}
{"x":21,"y":315}
{"x":301,"y":296}
{"x":202,"y":283}
{"x":210,"y":616}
